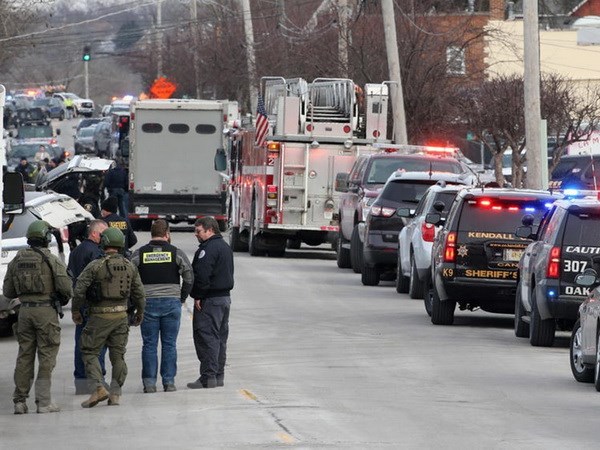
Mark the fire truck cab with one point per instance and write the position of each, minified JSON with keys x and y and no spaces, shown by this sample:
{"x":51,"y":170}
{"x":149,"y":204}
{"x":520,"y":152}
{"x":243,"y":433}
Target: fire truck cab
{"x":283,"y":190}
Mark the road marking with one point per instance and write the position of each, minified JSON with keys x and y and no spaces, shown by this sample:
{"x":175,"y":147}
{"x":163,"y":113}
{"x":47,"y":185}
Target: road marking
{"x":249,"y":395}
{"x":286,"y":438}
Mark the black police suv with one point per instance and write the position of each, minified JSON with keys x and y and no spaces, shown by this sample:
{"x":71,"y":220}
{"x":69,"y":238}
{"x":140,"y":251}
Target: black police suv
{"x":382,"y":225}
{"x":475,"y":256}
{"x":567,"y":241}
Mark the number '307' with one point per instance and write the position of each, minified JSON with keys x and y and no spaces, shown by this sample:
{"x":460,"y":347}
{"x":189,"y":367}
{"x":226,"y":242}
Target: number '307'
{"x":574,"y":265}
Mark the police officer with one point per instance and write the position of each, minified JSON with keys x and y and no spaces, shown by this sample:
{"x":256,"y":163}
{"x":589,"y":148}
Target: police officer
{"x":162,"y":266}
{"x":38,"y":278}
{"x":86,"y":252}
{"x":213,"y":279}
{"x":107,"y":285}
{"x":110,"y":216}
{"x":117,"y":184}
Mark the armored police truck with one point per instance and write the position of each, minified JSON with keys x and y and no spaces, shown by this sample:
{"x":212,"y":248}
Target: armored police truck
{"x":177,"y":163}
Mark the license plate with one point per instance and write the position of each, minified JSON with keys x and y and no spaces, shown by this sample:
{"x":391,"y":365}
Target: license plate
{"x":511,"y":254}
{"x":142,"y":209}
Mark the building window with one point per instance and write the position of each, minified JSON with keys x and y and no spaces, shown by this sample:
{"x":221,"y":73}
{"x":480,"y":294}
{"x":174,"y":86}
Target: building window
{"x":455,"y":60}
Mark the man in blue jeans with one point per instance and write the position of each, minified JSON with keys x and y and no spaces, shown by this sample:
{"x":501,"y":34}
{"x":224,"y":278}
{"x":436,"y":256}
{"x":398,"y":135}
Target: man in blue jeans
{"x":162,"y":266}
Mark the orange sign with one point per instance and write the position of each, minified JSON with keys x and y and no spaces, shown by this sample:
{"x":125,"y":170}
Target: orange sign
{"x":162,"y":88}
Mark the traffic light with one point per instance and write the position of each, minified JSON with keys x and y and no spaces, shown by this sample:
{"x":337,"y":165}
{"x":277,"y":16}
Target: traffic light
{"x":86,"y":53}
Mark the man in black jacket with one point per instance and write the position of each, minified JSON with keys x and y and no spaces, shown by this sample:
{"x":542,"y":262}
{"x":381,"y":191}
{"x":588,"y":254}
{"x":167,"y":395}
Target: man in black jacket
{"x":110,"y":216}
{"x":213,"y":281}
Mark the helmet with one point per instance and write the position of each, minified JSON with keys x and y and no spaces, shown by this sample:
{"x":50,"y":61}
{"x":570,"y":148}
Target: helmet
{"x":112,"y":237}
{"x":40,"y":229}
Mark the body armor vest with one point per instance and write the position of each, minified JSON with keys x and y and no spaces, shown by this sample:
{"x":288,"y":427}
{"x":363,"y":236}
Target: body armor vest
{"x":32,"y":274}
{"x":115,"y":276}
{"x":158,"y":264}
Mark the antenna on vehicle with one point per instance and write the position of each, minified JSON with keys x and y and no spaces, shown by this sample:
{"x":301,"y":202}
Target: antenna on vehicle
{"x":430,"y":169}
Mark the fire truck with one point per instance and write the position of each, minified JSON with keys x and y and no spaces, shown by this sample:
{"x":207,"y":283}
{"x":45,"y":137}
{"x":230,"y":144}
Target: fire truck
{"x":283,"y":191}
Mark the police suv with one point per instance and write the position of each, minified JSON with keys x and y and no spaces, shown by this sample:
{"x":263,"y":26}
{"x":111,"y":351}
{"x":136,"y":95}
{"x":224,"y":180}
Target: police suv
{"x":566,"y":242}
{"x":475,"y":256}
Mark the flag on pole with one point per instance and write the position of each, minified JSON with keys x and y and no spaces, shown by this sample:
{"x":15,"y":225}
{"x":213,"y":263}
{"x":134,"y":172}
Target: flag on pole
{"x":262,"y":122}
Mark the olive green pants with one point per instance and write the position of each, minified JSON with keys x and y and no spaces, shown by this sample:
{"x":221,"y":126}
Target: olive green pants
{"x":38,"y":331}
{"x":97,"y":333}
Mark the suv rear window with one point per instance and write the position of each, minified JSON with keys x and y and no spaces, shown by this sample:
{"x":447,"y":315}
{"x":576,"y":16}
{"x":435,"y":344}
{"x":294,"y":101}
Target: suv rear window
{"x":406,"y":192}
{"x":498,"y":215}
{"x":382,"y":168}
{"x":582,"y":228}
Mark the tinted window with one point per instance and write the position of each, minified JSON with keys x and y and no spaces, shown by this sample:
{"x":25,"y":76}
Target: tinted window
{"x":405,"y":192}
{"x":381,"y":169}
{"x":582,"y":228}
{"x":446,"y":198}
{"x":567,"y":167}
{"x":500,"y":216}
{"x":34,"y":132}
{"x":152,"y":128}
{"x":179,"y":128}
{"x":205,"y":129}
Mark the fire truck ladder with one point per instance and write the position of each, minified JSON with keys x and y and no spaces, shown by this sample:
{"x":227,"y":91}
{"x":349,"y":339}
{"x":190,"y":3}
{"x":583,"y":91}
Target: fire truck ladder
{"x":276,"y":87}
{"x":332,"y":100}
{"x":293,"y":169}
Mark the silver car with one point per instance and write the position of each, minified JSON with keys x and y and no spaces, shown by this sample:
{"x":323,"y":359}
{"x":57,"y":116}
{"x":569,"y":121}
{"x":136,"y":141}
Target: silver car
{"x":84,"y":140}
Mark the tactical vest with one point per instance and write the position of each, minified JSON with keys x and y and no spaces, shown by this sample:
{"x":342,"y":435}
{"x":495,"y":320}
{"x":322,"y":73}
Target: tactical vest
{"x":32,"y":275}
{"x":115,"y":276}
{"x":158,"y":264}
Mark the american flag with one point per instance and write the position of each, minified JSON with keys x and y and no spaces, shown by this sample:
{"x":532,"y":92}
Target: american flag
{"x":262,"y":122}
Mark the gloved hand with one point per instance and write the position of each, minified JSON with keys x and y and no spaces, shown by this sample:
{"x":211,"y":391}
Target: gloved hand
{"x":137,"y":319}
{"x":77,"y":317}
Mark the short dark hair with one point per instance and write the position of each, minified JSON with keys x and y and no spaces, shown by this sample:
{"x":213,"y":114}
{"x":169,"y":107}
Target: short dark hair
{"x":208,"y":223}
{"x":159,"y":228}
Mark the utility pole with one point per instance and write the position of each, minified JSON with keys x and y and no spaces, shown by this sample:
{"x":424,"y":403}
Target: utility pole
{"x":86,"y":77}
{"x":533,"y":115}
{"x":159,"y":35}
{"x":343,"y":36}
{"x":196,"y":57}
{"x":250,"y":59}
{"x":391,"y":46}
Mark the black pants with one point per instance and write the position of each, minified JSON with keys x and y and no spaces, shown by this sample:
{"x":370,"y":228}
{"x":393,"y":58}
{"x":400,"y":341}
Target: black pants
{"x":211,"y":329}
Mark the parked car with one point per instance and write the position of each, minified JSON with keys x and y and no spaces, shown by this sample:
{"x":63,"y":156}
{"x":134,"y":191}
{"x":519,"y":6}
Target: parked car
{"x":84,"y":140}
{"x":32,"y":115}
{"x":36,"y":132}
{"x":88,"y":122}
{"x":382,"y":225}
{"x":415,"y":241}
{"x":547,"y":295}
{"x":34,"y":151}
{"x":476,"y":254}
{"x":83,"y":106}
{"x":61,"y":212}
{"x":102,"y":139}
{"x":53,"y":106}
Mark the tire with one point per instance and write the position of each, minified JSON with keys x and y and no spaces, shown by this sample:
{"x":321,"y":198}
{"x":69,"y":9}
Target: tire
{"x":294,"y":244}
{"x":521,"y":327}
{"x":581,"y":373}
{"x":370,"y":276}
{"x":235,"y":241}
{"x":541,"y":332}
{"x":356,"y":251}
{"x":96,"y":149}
{"x":253,"y":244}
{"x":428,"y":296}
{"x":402,"y":282}
{"x":442,"y":312}
{"x":278,"y":252}
{"x":415,"y":287}
{"x":597,"y":365}
{"x":343,"y":254}
{"x":61,"y":116}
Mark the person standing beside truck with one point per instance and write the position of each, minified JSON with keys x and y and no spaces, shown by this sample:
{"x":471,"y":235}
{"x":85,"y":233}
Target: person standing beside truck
{"x":110,"y":216}
{"x":40,"y":280}
{"x":115,"y":181}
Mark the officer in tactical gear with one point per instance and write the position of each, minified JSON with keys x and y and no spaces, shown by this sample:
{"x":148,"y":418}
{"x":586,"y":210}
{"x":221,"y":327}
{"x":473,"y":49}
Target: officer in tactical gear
{"x":39,"y":279}
{"x":107,"y":286}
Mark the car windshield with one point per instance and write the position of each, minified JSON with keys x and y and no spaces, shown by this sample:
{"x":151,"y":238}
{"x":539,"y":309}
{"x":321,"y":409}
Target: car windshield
{"x":31,"y":150}
{"x":41,"y":102}
{"x":86,"y":132}
{"x":498,"y":214}
{"x":405,"y":192}
{"x":34,"y":132}
{"x":71,"y":96}
{"x":566,"y":167}
{"x":119,"y":108}
{"x":382,"y":168}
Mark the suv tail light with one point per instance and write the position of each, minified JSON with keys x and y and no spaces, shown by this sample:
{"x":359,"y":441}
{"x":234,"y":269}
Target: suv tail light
{"x":450,"y":247}
{"x":553,"y":270}
{"x":428,"y":231}
{"x":382,"y":211}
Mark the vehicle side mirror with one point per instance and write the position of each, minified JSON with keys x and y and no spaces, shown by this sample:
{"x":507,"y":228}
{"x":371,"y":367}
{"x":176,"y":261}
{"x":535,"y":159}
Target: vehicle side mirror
{"x":405,"y":212}
{"x":58,"y":131}
{"x":433,"y":218}
{"x":220,"y":160}
{"x":13,"y":194}
{"x":587,"y":278}
{"x":439,"y":206}
{"x":525,"y":232}
{"x":527,"y":220}
{"x":341,"y":182}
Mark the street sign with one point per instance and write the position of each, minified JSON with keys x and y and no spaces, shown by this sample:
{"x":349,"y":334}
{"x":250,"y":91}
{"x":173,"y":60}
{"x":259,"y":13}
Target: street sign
{"x":162,"y":88}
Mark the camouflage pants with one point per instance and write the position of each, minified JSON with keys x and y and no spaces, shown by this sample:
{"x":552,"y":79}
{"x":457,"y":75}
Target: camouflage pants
{"x":38,"y":331}
{"x":113,"y":333}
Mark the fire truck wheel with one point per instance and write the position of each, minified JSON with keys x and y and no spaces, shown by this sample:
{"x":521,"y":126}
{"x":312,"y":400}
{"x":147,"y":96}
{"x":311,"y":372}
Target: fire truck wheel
{"x":294,"y":244}
{"x":235,"y":241}
{"x":253,"y":238}
{"x":356,"y":251}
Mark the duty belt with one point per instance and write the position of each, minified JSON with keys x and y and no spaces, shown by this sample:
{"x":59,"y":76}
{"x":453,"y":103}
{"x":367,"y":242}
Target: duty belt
{"x":34,"y":304}
{"x":107,"y":309}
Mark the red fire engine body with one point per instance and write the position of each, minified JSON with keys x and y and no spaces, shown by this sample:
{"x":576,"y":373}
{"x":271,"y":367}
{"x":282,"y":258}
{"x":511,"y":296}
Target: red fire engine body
{"x":283,"y":192}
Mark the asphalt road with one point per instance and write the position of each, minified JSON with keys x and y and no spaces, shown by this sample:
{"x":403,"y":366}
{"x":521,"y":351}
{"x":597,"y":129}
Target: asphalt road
{"x":316,"y":360}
